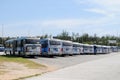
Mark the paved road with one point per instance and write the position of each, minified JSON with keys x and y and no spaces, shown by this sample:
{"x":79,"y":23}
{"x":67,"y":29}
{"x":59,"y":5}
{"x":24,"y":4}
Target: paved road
{"x":62,"y":62}
{"x":107,"y":68}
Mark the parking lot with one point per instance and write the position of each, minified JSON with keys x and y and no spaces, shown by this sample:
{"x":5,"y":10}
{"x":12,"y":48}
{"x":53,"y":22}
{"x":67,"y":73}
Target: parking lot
{"x":66,"y":61}
{"x":62,"y":62}
{"x":104,"y":67}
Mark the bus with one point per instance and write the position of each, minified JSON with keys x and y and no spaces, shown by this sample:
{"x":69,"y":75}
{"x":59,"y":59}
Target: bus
{"x":77,"y":48}
{"x":51,"y":47}
{"x":88,"y":49}
{"x":105,"y":49}
{"x":9,"y":46}
{"x":1,"y":48}
{"x":99,"y":49}
{"x":114,"y":48}
{"x":67,"y":47}
{"x":23,"y":46}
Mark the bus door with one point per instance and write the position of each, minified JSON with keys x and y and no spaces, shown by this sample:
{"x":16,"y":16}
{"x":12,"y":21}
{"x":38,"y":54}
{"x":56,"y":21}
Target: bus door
{"x":44,"y":45}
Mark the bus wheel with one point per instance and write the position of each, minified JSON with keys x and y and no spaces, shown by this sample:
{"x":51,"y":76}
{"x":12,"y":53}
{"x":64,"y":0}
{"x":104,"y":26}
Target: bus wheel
{"x":50,"y":56}
{"x":10,"y":53}
{"x":6,"y":53}
{"x":19,"y":53}
{"x":63,"y":55}
{"x":70,"y":54}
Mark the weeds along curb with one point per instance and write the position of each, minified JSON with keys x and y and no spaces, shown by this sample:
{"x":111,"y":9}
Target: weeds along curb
{"x":22,"y":78}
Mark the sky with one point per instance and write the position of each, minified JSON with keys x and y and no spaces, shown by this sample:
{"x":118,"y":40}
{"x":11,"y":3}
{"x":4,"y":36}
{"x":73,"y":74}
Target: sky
{"x":40,"y":17}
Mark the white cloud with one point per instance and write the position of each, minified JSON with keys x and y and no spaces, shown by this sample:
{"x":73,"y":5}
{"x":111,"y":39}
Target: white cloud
{"x":61,"y":23}
{"x":97,"y":11}
{"x":75,"y":22}
{"x":108,"y":7}
{"x":112,"y":3}
{"x":56,"y":26}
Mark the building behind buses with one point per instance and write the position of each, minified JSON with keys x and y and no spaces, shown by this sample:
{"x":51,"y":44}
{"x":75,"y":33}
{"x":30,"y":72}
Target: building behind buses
{"x":51,"y":47}
{"x":23,"y":46}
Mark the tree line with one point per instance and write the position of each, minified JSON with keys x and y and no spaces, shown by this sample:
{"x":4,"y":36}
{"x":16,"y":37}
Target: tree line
{"x":76,"y":37}
{"x":88,"y":39}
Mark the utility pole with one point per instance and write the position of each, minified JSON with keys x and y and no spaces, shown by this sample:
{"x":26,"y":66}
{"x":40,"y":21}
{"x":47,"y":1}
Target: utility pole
{"x":2,"y":32}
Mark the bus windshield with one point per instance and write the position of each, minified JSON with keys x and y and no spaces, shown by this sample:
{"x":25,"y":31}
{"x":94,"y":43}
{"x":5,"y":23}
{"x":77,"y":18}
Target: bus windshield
{"x":67,"y":44}
{"x":76,"y":45}
{"x":32,"y":41}
{"x":1,"y":45}
{"x":54,"y":43}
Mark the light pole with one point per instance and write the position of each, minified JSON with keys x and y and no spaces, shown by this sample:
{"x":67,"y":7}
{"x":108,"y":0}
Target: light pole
{"x":2,"y":32}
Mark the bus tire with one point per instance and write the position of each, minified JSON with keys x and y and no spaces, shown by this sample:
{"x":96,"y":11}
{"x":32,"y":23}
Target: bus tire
{"x":50,"y":56}
{"x":19,"y":54}
{"x":10,"y":53}
{"x":14,"y":53}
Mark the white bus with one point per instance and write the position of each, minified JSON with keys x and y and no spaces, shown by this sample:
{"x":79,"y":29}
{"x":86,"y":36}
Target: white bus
{"x":23,"y":46}
{"x":88,"y":49}
{"x":77,"y":48}
{"x":114,"y":48}
{"x":67,"y":47}
{"x":105,"y":49}
{"x":99,"y":49}
{"x":51,"y":47}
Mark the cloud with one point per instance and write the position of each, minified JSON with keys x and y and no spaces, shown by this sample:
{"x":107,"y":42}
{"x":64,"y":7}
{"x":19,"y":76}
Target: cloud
{"x":112,"y":3}
{"x":108,"y":7}
{"x":99,"y":11}
{"x":39,"y":27}
{"x":72,"y":22}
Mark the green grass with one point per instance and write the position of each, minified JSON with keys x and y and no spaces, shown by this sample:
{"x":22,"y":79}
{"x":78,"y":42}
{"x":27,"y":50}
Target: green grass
{"x":26,"y":62}
{"x":22,"y":78}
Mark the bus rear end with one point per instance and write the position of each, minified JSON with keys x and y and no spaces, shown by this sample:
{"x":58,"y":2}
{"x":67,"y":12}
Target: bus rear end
{"x":67,"y":48}
{"x":76,"y":48}
{"x":32,"y":47}
{"x":51,"y":47}
{"x":55,"y":47}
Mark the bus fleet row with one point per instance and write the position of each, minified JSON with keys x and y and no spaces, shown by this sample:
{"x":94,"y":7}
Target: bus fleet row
{"x":51,"y":47}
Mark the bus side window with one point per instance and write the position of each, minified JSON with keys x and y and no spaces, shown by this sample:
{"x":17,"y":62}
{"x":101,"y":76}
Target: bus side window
{"x":19,"y":43}
{"x":11,"y":45}
{"x":6,"y":45}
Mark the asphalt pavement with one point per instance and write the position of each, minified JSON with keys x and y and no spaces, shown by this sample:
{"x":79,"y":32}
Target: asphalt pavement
{"x":63,"y":62}
{"x":105,"y":68}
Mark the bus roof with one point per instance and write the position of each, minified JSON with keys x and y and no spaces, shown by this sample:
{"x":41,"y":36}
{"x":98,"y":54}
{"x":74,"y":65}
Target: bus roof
{"x":50,"y":39}
{"x":10,"y":40}
{"x":27,"y":38}
{"x":77,"y":43}
{"x":66,"y":41}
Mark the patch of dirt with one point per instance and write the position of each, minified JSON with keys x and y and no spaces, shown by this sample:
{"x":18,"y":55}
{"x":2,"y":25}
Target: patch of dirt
{"x":14,"y":70}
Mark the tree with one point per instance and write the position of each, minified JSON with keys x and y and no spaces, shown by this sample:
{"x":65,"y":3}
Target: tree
{"x":64,"y":36}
